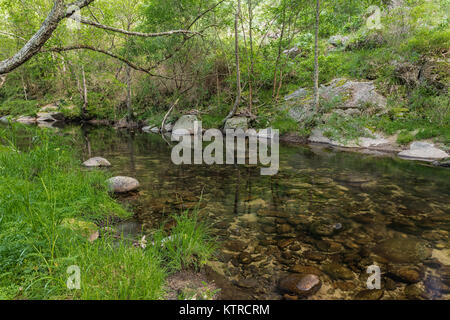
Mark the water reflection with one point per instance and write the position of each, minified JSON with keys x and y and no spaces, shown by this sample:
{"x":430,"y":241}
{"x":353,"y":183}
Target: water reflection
{"x":327,"y":212}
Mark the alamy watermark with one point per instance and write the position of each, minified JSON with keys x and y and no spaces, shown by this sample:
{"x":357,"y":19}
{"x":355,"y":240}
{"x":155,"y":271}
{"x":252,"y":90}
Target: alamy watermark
{"x":240,"y":147}
{"x":74,"y":279}
{"x":374,"y":280}
{"x":74,"y":21}
{"x":374,"y":20}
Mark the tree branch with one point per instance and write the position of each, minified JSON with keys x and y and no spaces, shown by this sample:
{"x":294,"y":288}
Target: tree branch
{"x":12,"y":35}
{"x":112,"y":55}
{"x":137,"y":34}
{"x":59,"y":12}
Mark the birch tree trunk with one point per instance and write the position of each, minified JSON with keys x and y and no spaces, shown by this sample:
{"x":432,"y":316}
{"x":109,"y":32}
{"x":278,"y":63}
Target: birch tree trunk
{"x":250,"y":33}
{"x":316,"y":58}
{"x":238,"y":70}
{"x":85,"y":95}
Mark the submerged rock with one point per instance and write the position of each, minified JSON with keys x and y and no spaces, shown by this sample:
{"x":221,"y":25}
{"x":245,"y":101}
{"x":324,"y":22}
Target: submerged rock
{"x":303,"y":285}
{"x":123,"y":184}
{"x":405,"y":274}
{"x":403,"y":250}
{"x":306,"y":270}
{"x":369,"y":295}
{"x":97,"y":162}
{"x":336,"y":271}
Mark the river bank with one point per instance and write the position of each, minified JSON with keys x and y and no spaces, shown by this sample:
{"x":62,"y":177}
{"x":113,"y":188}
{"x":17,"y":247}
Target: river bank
{"x":55,"y":215}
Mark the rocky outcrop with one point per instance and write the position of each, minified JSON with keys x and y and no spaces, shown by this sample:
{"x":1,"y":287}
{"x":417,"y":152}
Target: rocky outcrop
{"x":423,"y":151}
{"x":97,"y":162}
{"x":184,"y":125}
{"x":237,"y":123}
{"x":123,"y":184}
{"x":338,"y":42}
{"x":354,"y":97}
{"x":376,"y":141}
{"x":430,"y":71}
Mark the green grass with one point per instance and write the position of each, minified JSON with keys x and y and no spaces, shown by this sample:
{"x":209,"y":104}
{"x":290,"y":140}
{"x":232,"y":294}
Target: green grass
{"x":18,"y":107}
{"x":42,"y":187}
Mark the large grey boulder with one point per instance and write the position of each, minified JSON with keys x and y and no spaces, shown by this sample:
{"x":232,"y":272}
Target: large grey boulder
{"x":237,"y":123}
{"x":293,"y":52}
{"x":374,"y":141}
{"x":354,"y":94}
{"x":354,"y":97}
{"x":338,"y":41}
{"x":184,"y":125}
{"x":423,"y":151}
{"x":97,"y":162}
{"x":123,"y":184}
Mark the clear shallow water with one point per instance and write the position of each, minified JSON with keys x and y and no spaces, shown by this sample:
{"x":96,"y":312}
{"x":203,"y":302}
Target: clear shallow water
{"x":326,"y":212}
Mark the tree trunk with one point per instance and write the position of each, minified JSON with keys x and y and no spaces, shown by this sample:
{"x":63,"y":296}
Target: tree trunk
{"x":250,"y":81}
{"x":316,"y":58}
{"x":85,"y":95}
{"x":129,"y":106}
{"x":280,"y":46}
{"x":24,"y":87}
{"x":238,"y":70}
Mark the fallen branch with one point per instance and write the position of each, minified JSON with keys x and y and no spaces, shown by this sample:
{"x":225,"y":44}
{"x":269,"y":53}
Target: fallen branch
{"x":167,"y":114}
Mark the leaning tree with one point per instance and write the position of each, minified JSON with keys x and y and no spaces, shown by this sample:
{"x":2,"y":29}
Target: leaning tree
{"x":61,"y":11}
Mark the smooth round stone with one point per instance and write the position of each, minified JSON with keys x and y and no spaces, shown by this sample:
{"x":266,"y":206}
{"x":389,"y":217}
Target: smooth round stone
{"x":321,"y":229}
{"x":303,"y":285}
{"x":405,"y":274}
{"x":403,"y":250}
{"x":336,"y":271}
{"x":235,"y":245}
{"x":123,"y":184}
{"x":97,"y":162}
{"x":369,"y":295}
{"x":413,"y":292}
{"x":245,"y":258}
{"x":306,"y":270}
